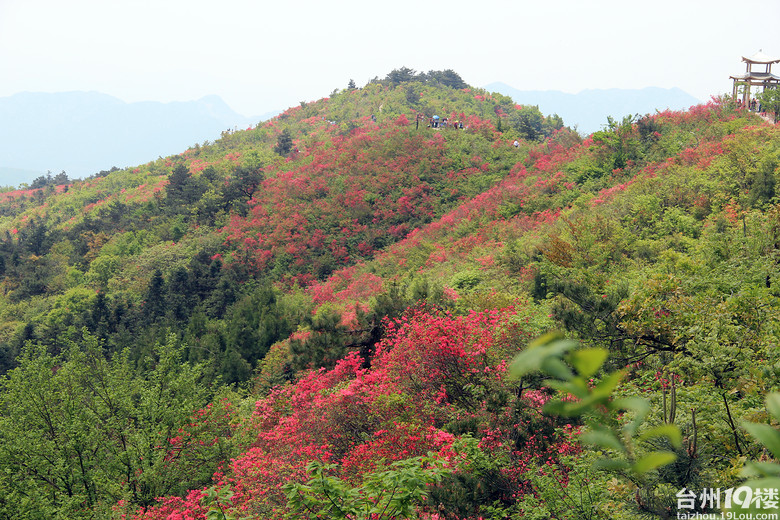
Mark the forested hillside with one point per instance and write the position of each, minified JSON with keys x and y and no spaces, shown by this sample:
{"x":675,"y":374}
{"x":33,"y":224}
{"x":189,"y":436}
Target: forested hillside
{"x":314,"y":318}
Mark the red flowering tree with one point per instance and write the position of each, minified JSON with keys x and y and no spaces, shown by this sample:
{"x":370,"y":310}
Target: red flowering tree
{"x":433,"y":372}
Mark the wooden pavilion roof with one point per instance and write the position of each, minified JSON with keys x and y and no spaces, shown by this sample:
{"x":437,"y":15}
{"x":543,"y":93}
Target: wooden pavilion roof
{"x":757,"y":76}
{"x":760,"y":57}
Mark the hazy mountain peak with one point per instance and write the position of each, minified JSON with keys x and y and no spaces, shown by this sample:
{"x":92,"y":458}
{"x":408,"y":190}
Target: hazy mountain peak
{"x":85,"y":132}
{"x":589,"y":108}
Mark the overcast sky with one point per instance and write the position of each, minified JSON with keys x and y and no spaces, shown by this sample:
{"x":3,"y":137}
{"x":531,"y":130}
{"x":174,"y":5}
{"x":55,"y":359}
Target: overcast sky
{"x":261,"y":56}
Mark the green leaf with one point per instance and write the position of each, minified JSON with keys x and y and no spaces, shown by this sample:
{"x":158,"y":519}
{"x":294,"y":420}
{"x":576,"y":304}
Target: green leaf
{"x":607,"y":385}
{"x":766,"y":434}
{"x":546,"y":339}
{"x":555,"y":408}
{"x":670,"y":431}
{"x":569,"y":408}
{"x":603,"y":438}
{"x":653,"y":460}
{"x":575,"y":387}
{"x":638,"y":405}
{"x":773,"y":404}
{"x":533,"y":358}
{"x":555,"y":367}
{"x":760,"y":469}
{"x":588,"y":361}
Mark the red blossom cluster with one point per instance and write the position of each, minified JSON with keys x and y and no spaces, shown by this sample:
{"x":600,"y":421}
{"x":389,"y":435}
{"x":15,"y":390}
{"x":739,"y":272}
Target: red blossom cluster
{"x":423,"y":376}
{"x":372,"y":185}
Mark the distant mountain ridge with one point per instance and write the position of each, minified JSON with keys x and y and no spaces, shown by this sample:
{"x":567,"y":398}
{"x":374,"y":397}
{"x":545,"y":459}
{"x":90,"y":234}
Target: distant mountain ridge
{"x":85,"y":132}
{"x":588,"y":109}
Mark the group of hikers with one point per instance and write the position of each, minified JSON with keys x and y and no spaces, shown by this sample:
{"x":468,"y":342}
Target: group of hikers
{"x":753,"y":105}
{"x":437,"y":122}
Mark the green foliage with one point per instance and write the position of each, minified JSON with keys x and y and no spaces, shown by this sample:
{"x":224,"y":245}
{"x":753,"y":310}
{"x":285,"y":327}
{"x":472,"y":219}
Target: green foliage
{"x":402,"y":75}
{"x":479,"y":487}
{"x":528,"y":122}
{"x":465,"y":280}
{"x":391,"y":493}
{"x":656,"y":239}
{"x":218,"y":500}
{"x":616,"y":145}
{"x":762,"y":185}
{"x":595,"y":402}
{"x":326,"y":344}
{"x":82,"y":431}
{"x":770,"y":101}
{"x":47,"y":180}
{"x":254,"y":324}
{"x":446,"y":78}
{"x":327,"y":339}
{"x":183,"y":189}
{"x":572,"y":489}
{"x":284,"y":143}
{"x":243,"y":183}
{"x":763,"y":474}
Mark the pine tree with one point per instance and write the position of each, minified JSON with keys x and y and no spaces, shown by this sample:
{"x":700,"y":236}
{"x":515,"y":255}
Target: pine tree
{"x":284,"y":143}
{"x":154,"y":306}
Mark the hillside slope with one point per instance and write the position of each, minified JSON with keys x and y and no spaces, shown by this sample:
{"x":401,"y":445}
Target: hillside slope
{"x":361,"y":280}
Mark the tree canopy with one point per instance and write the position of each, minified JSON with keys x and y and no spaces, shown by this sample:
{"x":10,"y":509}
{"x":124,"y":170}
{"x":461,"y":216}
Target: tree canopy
{"x":325,"y":308}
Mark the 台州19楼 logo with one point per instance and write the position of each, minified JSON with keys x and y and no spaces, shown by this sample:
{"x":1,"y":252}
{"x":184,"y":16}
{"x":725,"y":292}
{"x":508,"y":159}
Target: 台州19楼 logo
{"x":741,"y":503}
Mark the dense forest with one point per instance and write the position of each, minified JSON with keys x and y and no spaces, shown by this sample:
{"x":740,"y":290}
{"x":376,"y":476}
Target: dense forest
{"x":413,"y":299}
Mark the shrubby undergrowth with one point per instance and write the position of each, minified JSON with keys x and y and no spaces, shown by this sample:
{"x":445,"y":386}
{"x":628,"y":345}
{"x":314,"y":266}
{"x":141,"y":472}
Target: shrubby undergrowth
{"x":314,"y":317}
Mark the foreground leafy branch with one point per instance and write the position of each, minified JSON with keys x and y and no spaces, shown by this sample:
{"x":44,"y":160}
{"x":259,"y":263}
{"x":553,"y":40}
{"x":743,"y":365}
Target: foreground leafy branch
{"x":599,"y":409}
{"x":764,"y":475}
{"x":595,"y":404}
